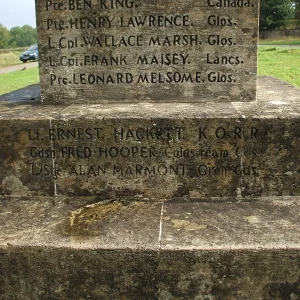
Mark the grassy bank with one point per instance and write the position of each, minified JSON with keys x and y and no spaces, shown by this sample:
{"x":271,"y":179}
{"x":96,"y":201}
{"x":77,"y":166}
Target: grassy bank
{"x":15,"y":80}
{"x":10,"y":57}
{"x":281,"y":63}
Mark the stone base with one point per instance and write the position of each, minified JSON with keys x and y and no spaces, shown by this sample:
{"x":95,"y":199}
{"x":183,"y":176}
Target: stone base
{"x":56,"y":248}
{"x":210,"y":227}
{"x":153,"y":150}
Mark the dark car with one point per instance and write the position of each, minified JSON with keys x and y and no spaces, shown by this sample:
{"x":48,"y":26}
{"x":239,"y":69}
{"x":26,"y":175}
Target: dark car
{"x":32,"y":53}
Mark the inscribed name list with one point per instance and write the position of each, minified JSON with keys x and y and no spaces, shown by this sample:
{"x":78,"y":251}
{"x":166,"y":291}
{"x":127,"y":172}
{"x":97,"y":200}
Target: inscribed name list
{"x":94,"y":51}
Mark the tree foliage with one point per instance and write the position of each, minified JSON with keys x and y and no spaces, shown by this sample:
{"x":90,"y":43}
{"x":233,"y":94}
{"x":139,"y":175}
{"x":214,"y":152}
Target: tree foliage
{"x":297,"y":9}
{"x":17,"y":37}
{"x":272,"y":11}
{"x":23,"y":36}
{"x":4,"y":37}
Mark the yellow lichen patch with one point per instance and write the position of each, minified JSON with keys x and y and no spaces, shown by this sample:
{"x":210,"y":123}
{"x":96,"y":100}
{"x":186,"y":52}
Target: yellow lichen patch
{"x":187,"y":225}
{"x":89,"y":219}
{"x":17,"y":165}
{"x":69,"y":181}
{"x":195,"y":194}
{"x":22,"y":141}
{"x":252,"y":219}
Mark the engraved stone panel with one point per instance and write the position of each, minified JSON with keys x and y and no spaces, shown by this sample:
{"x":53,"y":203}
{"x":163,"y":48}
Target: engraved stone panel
{"x":110,"y":156}
{"x":26,"y":158}
{"x":94,"y":51}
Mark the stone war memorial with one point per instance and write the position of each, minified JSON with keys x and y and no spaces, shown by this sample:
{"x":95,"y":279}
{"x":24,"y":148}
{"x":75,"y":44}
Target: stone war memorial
{"x":151,"y":162}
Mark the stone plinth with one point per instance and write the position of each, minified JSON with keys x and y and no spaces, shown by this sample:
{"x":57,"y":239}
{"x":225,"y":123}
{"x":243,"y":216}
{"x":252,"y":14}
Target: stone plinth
{"x":139,"y":51}
{"x":229,"y":150}
{"x":166,"y":202}
{"x":149,"y":250}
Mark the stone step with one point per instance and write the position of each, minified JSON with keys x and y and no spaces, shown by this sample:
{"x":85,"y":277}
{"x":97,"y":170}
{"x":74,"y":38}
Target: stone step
{"x":64,"y":248}
{"x":154,"y":150}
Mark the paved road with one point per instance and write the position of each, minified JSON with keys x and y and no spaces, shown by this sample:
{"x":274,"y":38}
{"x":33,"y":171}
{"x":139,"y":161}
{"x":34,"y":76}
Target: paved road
{"x":18,"y":67}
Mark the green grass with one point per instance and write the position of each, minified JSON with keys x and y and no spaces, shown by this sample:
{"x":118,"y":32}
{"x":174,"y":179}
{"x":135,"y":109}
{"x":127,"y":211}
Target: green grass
{"x":15,"y":80}
{"x":281,"y":63}
{"x":287,"y":41}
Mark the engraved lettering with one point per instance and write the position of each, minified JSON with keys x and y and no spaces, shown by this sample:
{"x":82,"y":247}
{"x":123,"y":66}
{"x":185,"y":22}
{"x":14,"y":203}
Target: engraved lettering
{"x":228,"y":3}
{"x":90,"y":23}
{"x":200,"y":152}
{"x":76,"y":152}
{"x":86,"y":170}
{"x":54,"y":5}
{"x":115,"y":4}
{"x":170,"y":77}
{"x":74,"y":133}
{"x":164,"y":59}
{"x":215,"y":20}
{"x":80,"y":4}
{"x":152,"y":133}
{"x":33,"y":135}
{"x":175,"y":40}
{"x":45,"y":170}
{"x":155,"y":21}
{"x":95,"y":60}
{"x":245,"y":170}
{"x":217,"y":40}
{"x":241,"y":152}
{"x":149,"y":170}
{"x":113,"y":41}
{"x":202,"y":133}
{"x":223,"y":60}
{"x":204,"y":170}
{"x":220,"y":77}
{"x":126,"y":152}
{"x":42,"y":153}
{"x":118,"y":78}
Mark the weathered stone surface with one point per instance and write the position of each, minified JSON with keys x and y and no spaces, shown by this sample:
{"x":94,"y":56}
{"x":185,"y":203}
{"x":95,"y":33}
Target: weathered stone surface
{"x":219,"y":274}
{"x":157,"y":151}
{"x":131,"y":51}
{"x":33,"y":273}
{"x":269,"y":223}
{"x":50,"y":222}
{"x":167,"y":250}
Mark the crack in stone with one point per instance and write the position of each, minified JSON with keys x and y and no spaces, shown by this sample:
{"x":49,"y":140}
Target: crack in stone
{"x":53,"y":161}
{"x":239,"y":188}
{"x":161,"y":224}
